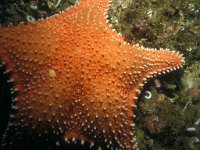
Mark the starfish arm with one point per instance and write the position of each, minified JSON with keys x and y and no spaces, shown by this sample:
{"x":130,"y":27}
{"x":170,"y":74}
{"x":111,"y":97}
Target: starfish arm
{"x":134,"y":64}
{"x":152,"y":62}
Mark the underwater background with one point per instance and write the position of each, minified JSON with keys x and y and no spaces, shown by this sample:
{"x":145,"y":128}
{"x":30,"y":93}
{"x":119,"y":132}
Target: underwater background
{"x":168,"y":112}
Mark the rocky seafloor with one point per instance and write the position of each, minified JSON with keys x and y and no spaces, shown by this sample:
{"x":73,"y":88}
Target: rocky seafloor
{"x":168,"y":113}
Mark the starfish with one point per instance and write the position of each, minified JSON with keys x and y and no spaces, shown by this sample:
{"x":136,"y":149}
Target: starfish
{"x":76,"y":79}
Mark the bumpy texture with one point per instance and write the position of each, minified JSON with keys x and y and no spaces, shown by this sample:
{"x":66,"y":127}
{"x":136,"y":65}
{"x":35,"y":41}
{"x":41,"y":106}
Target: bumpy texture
{"x":76,"y":78}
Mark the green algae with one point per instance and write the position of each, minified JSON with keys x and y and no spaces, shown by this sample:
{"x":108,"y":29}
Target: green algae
{"x":14,"y":12}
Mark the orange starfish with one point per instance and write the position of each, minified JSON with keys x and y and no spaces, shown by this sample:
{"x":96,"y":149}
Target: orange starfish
{"x":75,"y":78}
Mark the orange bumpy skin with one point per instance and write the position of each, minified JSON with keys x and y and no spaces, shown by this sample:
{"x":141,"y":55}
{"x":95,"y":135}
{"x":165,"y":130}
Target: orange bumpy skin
{"x":76,"y":78}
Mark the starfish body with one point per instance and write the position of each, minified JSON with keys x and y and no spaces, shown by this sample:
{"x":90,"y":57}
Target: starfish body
{"x":76,"y":78}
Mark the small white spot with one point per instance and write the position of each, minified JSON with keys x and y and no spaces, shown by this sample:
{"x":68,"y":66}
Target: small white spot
{"x":52,"y":73}
{"x":30,"y":18}
{"x":148,"y":95}
{"x":66,"y":139}
{"x":82,"y":142}
{"x":92,"y":144}
{"x":191,"y":129}
{"x":197,"y":122}
{"x":57,"y":143}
